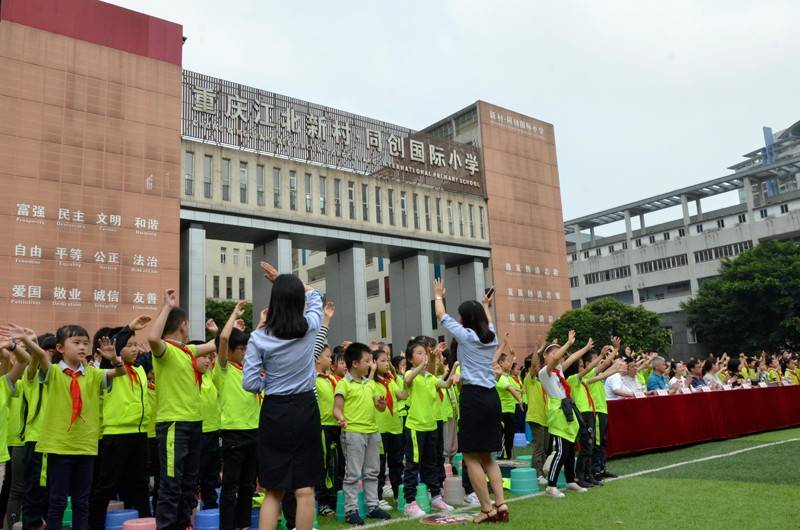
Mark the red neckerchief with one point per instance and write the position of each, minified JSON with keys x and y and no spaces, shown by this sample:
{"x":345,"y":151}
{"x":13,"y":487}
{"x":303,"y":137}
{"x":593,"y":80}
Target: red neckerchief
{"x":589,"y":395}
{"x":516,"y":380}
{"x":389,"y":399}
{"x":237,"y":365}
{"x":75,"y":394}
{"x":330,"y":378}
{"x":198,"y":377}
{"x":563,"y":381}
{"x":131,"y":373}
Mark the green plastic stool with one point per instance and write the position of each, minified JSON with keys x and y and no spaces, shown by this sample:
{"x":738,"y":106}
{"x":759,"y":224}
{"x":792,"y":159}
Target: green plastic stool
{"x":340,"y":515}
{"x":362,"y":503}
{"x":401,"y":499}
{"x":422,"y":498}
{"x":66,"y":521}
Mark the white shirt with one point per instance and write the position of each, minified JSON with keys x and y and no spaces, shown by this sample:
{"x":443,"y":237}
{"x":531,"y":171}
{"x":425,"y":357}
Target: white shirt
{"x":623,"y":383}
{"x":551,"y":383}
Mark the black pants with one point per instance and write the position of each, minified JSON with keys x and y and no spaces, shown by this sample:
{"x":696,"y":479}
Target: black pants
{"x":34,"y":502}
{"x":210,"y":467}
{"x":420,"y":459}
{"x":507,"y":428}
{"x":153,"y":470}
{"x":123,"y":470}
{"x":565,"y":457}
{"x":238,"y":479}
{"x":442,"y":474}
{"x":333,"y":466}
{"x":178,"y":452}
{"x":6,"y":489}
{"x":599,"y":450}
{"x":391,"y":458}
{"x":583,"y":465}
{"x":69,"y":476}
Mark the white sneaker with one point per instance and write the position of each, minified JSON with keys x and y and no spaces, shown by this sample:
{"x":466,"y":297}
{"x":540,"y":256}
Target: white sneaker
{"x":388,"y":493}
{"x":553,"y":492}
{"x":438,"y":503}
{"x":573,"y":486}
{"x":542,"y":481}
{"x":385,"y":506}
{"x":472,"y":500}
{"x":413,"y":511}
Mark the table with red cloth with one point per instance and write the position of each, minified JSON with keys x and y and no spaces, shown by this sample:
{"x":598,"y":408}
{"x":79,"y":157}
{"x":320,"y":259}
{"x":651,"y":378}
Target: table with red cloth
{"x":658,"y":422}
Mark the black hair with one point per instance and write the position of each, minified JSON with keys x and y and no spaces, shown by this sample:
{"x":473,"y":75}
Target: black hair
{"x":690,"y":366}
{"x":70,"y":330}
{"x":99,"y":334}
{"x":237,"y":338}
{"x":451,"y":354}
{"x":410,"y":351}
{"x":47,"y":341}
{"x":473,"y":317}
{"x":733,"y":366}
{"x":708,"y":365}
{"x":110,"y":333}
{"x":176,"y":317}
{"x":396,"y":362}
{"x":285,"y":318}
{"x":195,"y":342}
{"x":355,"y":352}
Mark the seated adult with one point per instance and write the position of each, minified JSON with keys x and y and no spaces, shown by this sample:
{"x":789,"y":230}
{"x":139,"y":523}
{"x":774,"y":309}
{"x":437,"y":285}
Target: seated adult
{"x":624,"y":383}
{"x":679,"y":372}
{"x":695,"y":368}
{"x":710,"y":374}
{"x":658,"y":379}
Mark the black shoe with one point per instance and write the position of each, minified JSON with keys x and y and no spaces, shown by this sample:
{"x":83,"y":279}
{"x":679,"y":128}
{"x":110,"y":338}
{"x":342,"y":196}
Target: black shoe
{"x":585,"y":484}
{"x":594,"y":481}
{"x":377,"y":513}
{"x":354,"y":519}
{"x":607,"y":474}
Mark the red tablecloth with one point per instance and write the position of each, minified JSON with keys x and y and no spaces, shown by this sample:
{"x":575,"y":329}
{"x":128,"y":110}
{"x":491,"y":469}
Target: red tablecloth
{"x":656,"y":422}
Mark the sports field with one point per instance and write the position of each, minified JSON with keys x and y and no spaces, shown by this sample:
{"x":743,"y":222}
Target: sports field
{"x":749,"y":482}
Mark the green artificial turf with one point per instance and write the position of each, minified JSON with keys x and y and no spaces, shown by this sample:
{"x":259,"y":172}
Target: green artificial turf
{"x":759,"y":488}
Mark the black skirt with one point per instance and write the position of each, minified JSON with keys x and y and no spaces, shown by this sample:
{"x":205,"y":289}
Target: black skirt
{"x":479,"y":420}
{"x":289,"y":442}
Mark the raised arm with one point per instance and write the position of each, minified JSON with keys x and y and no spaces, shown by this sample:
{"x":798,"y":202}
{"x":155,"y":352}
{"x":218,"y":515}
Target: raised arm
{"x":27,"y":336}
{"x":225,"y":335}
{"x":252,"y":381}
{"x":501,"y":348}
{"x":577,"y":355}
{"x":438,"y":298}
{"x":108,"y":351}
{"x":157,"y":345}
{"x":593,"y":364}
{"x":21,"y":356}
{"x":414,"y":372}
{"x":556,"y":357}
{"x":487,"y":303}
{"x":603,"y":375}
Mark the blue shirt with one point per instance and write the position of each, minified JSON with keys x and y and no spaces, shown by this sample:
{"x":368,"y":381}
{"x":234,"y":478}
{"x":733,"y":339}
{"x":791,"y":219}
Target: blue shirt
{"x":288,"y":364}
{"x":475,"y":357}
{"x":657,"y":382}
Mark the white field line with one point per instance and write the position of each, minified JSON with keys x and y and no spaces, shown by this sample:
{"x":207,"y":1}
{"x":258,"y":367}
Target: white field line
{"x":622,"y":477}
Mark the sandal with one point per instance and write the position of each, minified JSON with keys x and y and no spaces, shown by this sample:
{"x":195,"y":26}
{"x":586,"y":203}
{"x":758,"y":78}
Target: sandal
{"x":502,"y":515}
{"x":487,"y":517}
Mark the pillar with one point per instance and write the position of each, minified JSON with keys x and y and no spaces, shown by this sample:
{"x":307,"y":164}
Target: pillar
{"x":576,"y":229}
{"x":628,"y":229}
{"x":410,"y":284}
{"x":699,"y":209}
{"x":641,"y":224}
{"x":591,"y":235}
{"x":463,"y":282}
{"x":346,"y":286}
{"x":687,"y":219}
{"x":193,"y":278}
{"x":278,"y":253}
{"x":749,"y":200}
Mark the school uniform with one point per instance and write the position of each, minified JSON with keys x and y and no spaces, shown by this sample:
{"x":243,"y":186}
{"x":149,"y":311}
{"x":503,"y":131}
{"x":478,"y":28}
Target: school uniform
{"x":508,"y":408}
{"x":563,"y":431}
{"x":536,"y":417}
{"x":598,"y":393}
{"x":8,"y":390}
{"x":586,"y":407}
{"x":210,"y":452}
{"x":14,"y":480}
{"x":420,"y":436}
{"x":36,"y":495}
{"x":332,"y":456}
{"x":390,"y":427}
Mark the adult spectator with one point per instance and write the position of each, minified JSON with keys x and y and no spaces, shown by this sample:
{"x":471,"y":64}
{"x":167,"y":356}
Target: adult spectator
{"x":658,"y":379}
{"x":695,"y":368}
{"x":624,"y":383}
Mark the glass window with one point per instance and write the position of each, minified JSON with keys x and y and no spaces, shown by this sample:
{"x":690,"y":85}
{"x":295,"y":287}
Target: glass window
{"x":337,"y":197}
{"x":427,"y":213}
{"x":208,"y":176}
{"x":292,"y":190}
{"x":415,"y":209}
{"x":480,"y":221}
{"x":371,"y":322}
{"x":471,"y":211}
{"x":243,"y":182}
{"x":450,"y":227}
{"x":378,"y":212}
{"x":390,"y":201}
{"x":216,"y":286}
{"x":188,"y":169}
{"x":461,"y":219}
{"x":248,"y":258}
{"x":365,"y":202}
{"x":351,"y":199}
{"x":373,"y":288}
{"x":439,"y":215}
{"x":323,"y":193}
{"x":276,"y":187}
{"x":226,"y":179}
{"x":309,"y":196}
{"x":241,"y":289}
{"x":223,"y":255}
{"x":236,"y":256}
{"x":403,"y":212}
{"x":383,"y":324}
{"x":260,"y":199}
{"x":229,"y":287}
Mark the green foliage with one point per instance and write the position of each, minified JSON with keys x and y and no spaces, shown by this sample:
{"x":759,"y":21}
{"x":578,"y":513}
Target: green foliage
{"x":754,"y":304}
{"x":220,"y":311}
{"x":636,"y":326}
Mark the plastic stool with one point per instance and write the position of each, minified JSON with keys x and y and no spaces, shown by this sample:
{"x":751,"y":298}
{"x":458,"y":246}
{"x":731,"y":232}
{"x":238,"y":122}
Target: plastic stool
{"x":448,"y":470}
{"x":423,"y":499}
{"x":520,"y":440}
{"x":146,"y":523}
{"x":362,"y":503}
{"x":117,"y":519}
{"x":453,"y":491}
{"x":524,"y":458}
{"x":115,"y":506}
{"x":254,"y":517}
{"x":401,"y":499}
{"x":562,"y":480}
{"x":524,"y":481}
{"x":340,"y":515}
{"x":207,"y":519}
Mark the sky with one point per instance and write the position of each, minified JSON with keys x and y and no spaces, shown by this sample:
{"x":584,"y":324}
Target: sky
{"x":645,"y":97}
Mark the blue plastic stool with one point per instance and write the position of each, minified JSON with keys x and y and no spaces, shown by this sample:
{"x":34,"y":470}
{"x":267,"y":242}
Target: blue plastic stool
{"x":520,"y":440}
{"x":207,"y":519}
{"x":118,"y":518}
{"x":254,"y":517}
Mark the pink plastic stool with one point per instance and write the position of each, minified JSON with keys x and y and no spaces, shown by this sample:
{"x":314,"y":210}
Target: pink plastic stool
{"x":115,"y":506}
{"x":448,"y":470}
{"x":147,"y":523}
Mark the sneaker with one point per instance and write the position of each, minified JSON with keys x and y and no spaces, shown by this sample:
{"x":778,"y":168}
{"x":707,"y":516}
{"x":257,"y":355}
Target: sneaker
{"x":438,"y":503}
{"x":472,"y":500}
{"x":388,"y":493}
{"x":553,"y":492}
{"x":384,"y":505}
{"x":584,"y":484}
{"x":413,"y":511}
{"x":354,"y":519}
{"x":607,"y":474}
{"x":542,"y":481}
{"x":326,"y":511}
{"x":378,"y":513}
{"x":594,"y":481}
{"x":574,"y":486}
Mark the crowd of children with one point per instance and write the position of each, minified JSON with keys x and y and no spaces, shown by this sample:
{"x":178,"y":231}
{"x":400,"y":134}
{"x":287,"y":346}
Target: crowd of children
{"x":96,"y":418}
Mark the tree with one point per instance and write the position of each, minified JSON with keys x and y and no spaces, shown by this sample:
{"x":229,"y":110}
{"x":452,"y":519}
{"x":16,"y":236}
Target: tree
{"x":220,"y":311}
{"x":753,"y":304}
{"x":636,"y":326}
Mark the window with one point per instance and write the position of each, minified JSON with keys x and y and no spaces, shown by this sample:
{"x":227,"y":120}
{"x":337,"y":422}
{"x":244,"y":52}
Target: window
{"x":784,"y":208}
{"x":243,"y":182}
{"x":415,"y":209}
{"x":309,"y":196}
{"x":439,"y":215}
{"x":241,"y":289}
{"x":323,"y":194}
{"x":390,"y":201}
{"x":652,"y":239}
{"x":690,"y":336}
{"x":724,"y":251}
{"x":378,"y":212}
{"x":380,"y":264}
{"x":638,"y":242}
{"x":373,"y":288}
{"x":223,"y":255}
{"x":661,"y":264}
{"x":681,"y":232}
{"x":720,"y":223}
{"x":337,"y":197}
{"x":403,"y":210}
{"x":188,"y":169}
{"x":226,"y":179}
{"x":365,"y":202}
{"x":450,"y":227}
{"x":383,"y":324}
{"x":610,"y":249}
{"x":208,"y":176}
{"x":574,"y":257}
{"x":598,"y":252}
{"x":387,"y":298}
{"x":215,"y":287}
{"x":585,"y":254}
{"x":698,"y":228}
{"x":276,"y":187}
{"x":471,"y":221}
{"x":666,"y":236}
{"x":260,"y":198}
{"x":248,"y":258}
{"x":742,"y":218}
{"x":573,"y":281}
{"x":351,"y":199}
{"x":229,"y":287}
{"x":763,"y":213}
{"x":292,"y":190}
{"x":601,"y":276}
{"x":427,"y":202}
{"x":236,"y":256}
{"x":461,"y":219}
{"x":624,"y":245}
{"x":480,"y":220}
{"x":371,"y":322}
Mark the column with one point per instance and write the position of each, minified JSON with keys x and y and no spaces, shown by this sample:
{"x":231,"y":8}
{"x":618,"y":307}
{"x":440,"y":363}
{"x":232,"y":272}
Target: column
{"x":193,"y":278}
{"x":278,"y":253}
{"x":629,"y":254}
{"x":591,"y":235}
{"x":641,"y":224}
{"x":463,"y":282}
{"x":687,"y":219}
{"x":699,"y":209}
{"x":628,"y":229}
{"x":576,"y":229}
{"x":346,"y":286}
{"x":410,"y":283}
{"x":747,"y":188}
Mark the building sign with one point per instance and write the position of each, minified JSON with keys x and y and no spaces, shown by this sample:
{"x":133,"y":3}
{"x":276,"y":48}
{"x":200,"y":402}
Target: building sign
{"x":229,"y":114}
{"x":521,"y":125}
